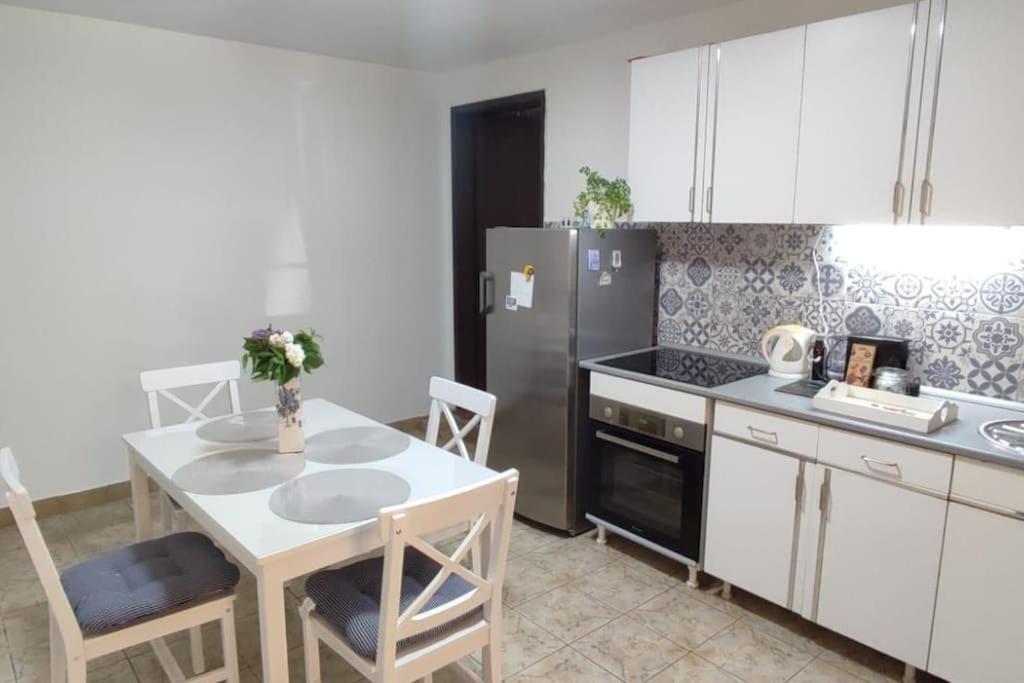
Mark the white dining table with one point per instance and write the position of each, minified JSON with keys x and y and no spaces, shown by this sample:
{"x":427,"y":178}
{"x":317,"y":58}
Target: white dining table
{"x":275,"y":549}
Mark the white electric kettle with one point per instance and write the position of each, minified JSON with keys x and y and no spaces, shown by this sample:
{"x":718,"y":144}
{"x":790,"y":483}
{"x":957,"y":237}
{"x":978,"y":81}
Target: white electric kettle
{"x":790,"y":354}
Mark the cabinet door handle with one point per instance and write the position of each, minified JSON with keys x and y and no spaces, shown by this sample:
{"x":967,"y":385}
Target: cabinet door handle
{"x":880,"y":463}
{"x":710,"y":195}
{"x":824,"y":497}
{"x":926,"y":198}
{"x":762,"y":435}
{"x":898,"y":192}
{"x":693,"y":192}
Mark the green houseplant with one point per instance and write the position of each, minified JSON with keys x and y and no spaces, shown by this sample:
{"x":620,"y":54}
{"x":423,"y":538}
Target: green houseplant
{"x":603,"y":201}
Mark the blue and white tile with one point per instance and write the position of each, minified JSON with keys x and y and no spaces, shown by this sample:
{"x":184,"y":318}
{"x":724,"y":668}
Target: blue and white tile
{"x":759,"y":275}
{"x":794,"y":278}
{"x":1002,"y":294}
{"x":669,"y":331}
{"x":699,"y":272}
{"x":829,"y":280}
{"x":942,"y":371}
{"x":996,"y":377}
{"x":864,"y":320}
{"x":950,"y":294}
{"x":670,"y":301}
{"x":949,"y":333}
{"x":998,"y":337}
{"x":868,"y":285}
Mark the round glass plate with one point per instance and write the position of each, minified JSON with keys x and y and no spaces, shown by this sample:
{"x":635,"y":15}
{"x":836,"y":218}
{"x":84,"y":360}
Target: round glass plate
{"x":238,"y":471}
{"x":258,"y":425}
{"x":355,"y":445}
{"x":339,"y":496}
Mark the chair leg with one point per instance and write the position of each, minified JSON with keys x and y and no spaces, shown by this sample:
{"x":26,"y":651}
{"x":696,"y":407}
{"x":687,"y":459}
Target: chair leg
{"x":310,"y":643}
{"x":229,"y":645}
{"x":195,"y":644}
{"x":58,"y":663}
{"x":492,"y":654}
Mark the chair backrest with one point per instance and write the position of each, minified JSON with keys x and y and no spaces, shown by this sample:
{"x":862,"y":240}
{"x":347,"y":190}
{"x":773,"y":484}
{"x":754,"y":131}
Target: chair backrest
{"x":25,"y":517}
{"x":445,"y":394}
{"x":158,"y":383}
{"x":488,"y":508}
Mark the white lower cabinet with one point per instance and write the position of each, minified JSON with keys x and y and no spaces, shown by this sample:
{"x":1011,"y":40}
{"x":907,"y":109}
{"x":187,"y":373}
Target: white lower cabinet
{"x":977,"y":635}
{"x":875,"y":572}
{"x":752,"y":518}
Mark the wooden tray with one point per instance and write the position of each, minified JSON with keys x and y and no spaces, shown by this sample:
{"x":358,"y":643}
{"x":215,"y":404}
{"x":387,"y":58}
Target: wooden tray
{"x":895,"y":410}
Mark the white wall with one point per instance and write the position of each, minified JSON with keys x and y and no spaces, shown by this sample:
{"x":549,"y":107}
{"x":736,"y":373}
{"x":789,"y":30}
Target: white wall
{"x":152,"y":184}
{"x":587,"y":90}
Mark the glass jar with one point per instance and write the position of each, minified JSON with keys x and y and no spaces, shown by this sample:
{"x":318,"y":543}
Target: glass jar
{"x":891,"y":379}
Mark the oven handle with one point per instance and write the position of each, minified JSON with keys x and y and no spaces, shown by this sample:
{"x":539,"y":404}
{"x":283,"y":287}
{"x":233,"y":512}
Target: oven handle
{"x":653,"y":452}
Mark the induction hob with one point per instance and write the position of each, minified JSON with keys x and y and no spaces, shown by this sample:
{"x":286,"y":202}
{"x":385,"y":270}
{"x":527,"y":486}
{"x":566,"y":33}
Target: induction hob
{"x":685,"y":366}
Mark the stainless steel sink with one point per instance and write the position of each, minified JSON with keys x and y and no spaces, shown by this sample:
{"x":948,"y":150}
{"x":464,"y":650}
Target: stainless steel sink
{"x":1008,"y":434}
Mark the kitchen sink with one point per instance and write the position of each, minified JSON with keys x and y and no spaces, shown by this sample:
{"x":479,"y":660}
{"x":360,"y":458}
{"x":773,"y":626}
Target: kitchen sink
{"x":1008,"y":434}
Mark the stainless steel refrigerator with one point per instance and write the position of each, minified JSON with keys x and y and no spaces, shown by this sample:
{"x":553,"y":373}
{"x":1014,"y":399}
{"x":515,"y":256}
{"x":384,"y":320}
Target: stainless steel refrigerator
{"x":591,"y":296}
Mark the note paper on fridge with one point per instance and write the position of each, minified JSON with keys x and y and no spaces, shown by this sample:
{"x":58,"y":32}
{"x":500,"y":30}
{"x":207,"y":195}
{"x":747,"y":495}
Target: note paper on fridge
{"x":521,"y":289}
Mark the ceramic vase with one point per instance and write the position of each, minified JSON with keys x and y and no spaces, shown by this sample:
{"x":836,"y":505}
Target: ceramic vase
{"x":290,"y":438}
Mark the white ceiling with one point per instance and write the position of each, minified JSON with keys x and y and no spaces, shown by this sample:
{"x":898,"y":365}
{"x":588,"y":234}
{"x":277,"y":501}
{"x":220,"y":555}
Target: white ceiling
{"x":434,"y":35}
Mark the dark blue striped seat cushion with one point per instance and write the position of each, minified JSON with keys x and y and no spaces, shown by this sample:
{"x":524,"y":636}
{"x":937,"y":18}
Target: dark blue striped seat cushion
{"x":146,"y":580}
{"x":349,"y":598}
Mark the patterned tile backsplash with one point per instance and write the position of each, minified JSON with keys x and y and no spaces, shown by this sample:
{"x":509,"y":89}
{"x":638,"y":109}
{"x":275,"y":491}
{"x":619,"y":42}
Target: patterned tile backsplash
{"x":958,"y":295}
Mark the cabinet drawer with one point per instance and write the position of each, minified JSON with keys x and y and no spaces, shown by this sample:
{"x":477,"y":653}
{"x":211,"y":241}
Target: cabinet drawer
{"x":989,"y":484}
{"x":782,"y":433}
{"x":885,"y":460}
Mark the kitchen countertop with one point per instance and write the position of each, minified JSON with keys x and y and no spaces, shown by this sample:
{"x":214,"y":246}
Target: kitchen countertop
{"x":959,"y":438}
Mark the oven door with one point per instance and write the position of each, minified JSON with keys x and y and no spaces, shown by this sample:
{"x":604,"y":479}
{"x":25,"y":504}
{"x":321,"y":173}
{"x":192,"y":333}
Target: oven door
{"x":647,"y":486}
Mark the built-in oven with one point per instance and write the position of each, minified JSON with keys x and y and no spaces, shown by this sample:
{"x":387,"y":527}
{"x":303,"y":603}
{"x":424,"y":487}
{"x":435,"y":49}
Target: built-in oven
{"x":646,"y":476}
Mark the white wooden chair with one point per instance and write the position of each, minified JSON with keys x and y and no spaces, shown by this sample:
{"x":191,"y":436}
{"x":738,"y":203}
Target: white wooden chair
{"x":428,"y":634}
{"x":445,"y":394}
{"x":157,"y":383}
{"x":71,"y":649}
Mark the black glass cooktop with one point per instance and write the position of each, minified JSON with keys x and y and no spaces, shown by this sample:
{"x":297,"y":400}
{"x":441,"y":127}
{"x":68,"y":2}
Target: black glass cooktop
{"x":688,"y":367}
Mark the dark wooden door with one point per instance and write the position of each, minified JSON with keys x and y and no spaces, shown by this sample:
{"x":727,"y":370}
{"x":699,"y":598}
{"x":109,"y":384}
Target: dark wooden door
{"x":497,"y":180}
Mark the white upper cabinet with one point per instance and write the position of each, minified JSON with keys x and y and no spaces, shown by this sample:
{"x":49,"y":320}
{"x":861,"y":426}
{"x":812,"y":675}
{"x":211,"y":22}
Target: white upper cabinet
{"x":663,"y":135}
{"x":758,"y":123}
{"x":857,"y":90}
{"x":977,"y":157}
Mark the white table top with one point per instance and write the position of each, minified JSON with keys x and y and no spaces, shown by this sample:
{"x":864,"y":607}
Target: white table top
{"x":246,"y":519}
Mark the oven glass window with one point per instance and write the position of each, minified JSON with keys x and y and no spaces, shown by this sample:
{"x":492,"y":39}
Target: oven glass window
{"x":641,"y":488}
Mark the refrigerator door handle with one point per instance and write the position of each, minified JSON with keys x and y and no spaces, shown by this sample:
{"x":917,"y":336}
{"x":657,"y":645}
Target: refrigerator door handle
{"x":486,"y":293}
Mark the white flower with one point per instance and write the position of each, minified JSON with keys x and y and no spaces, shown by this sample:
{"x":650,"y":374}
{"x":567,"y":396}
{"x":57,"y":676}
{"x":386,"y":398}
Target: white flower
{"x":295,"y":354}
{"x":276,"y":339}
{"x":287,"y":337}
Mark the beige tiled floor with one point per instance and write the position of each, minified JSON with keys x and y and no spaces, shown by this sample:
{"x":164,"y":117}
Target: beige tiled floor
{"x":575,"y":611}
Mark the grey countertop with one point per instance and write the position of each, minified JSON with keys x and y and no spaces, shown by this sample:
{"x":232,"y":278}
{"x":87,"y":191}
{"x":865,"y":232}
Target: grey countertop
{"x":959,"y":438}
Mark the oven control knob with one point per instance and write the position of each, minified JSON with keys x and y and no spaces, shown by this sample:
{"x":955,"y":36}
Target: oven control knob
{"x":677,"y":432}
{"x":608,"y":412}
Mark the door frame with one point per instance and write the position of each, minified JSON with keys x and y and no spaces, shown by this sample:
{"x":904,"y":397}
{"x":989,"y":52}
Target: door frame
{"x":462,"y":122}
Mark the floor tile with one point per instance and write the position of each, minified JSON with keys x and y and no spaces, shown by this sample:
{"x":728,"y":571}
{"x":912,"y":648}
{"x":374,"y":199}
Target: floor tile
{"x":526,"y":538}
{"x":859,"y":660}
{"x":693,"y":669}
{"x":570,"y":560}
{"x":120,"y":672}
{"x":93,"y":543}
{"x":752,"y":655}
{"x":89,"y":520}
{"x":820,"y":672}
{"x":788,"y":627}
{"x":628,"y":649}
{"x":527,"y":578}
{"x":679,"y":616}
{"x":621,"y":585}
{"x":524,"y":643}
{"x":568,"y":612}
{"x":564,"y":666}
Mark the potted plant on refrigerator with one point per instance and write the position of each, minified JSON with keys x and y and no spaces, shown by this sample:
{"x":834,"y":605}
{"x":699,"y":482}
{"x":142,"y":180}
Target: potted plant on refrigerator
{"x":602,"y":202}
{"x":281,"y":357}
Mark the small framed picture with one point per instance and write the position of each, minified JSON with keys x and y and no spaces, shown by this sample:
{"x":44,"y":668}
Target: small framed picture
{"x":860,"y":363}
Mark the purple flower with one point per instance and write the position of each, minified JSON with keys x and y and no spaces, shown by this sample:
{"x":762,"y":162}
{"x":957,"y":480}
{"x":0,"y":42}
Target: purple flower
{"x":261,"y":333}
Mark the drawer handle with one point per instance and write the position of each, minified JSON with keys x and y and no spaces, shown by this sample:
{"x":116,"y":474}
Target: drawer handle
{"x":762,"y":435}
{"x":881,"y":463}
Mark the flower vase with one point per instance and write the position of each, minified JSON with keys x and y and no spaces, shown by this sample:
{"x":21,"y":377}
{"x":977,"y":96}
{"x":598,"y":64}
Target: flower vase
{"x":290,"y":438}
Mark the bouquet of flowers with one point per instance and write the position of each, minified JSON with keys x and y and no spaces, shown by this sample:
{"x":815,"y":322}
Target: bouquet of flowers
{"x":281,"y":356}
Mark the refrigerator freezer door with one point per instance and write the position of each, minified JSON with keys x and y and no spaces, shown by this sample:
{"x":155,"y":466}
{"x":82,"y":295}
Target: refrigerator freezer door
{"x":616,"y":304}
{"x":531,"y":367}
